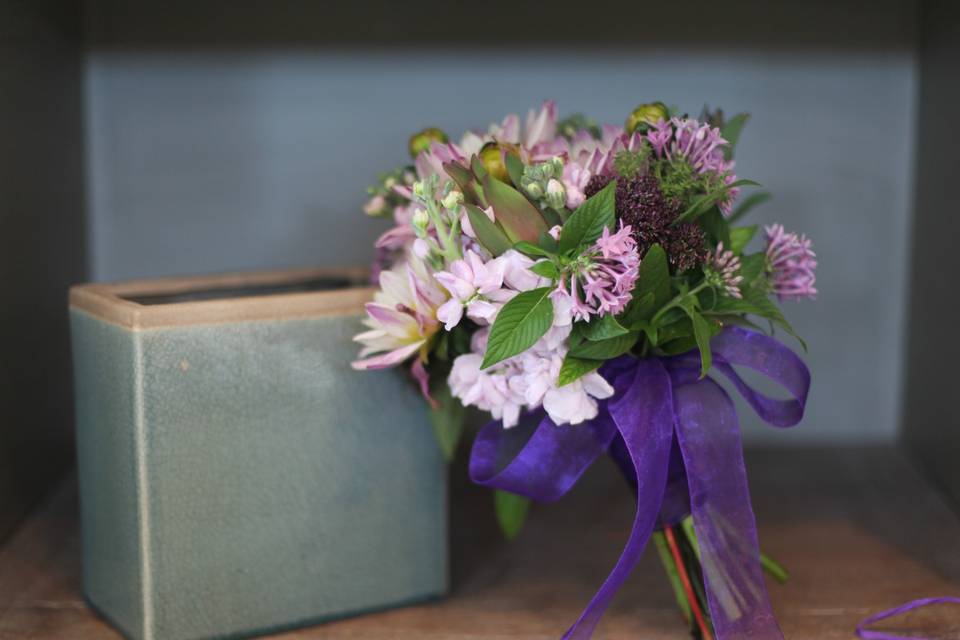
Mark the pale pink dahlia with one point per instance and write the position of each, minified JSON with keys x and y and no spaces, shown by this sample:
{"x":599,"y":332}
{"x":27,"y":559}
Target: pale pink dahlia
{"x":726,"y":265}
{"x":602,"y":280}
{"x":791,"y":263}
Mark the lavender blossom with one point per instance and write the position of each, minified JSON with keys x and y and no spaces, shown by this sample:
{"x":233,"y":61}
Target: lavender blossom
{"x":601,"y":281}
{"x":791,"y":263}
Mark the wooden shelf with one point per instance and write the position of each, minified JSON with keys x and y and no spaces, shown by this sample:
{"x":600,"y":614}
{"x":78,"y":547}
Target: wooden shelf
{"x":859,"y":529}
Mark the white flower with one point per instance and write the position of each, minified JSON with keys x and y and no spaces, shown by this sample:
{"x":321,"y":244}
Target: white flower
{"x":575,"y":403}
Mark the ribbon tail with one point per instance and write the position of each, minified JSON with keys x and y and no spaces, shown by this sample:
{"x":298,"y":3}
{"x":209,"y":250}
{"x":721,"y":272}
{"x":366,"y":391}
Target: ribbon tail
{"x":709,"y":437}
{"x":541,"y":462}
{"x":643,"y":415}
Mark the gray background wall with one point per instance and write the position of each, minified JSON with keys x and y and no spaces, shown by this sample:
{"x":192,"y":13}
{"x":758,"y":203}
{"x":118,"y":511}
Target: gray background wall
{"x":223,"y":161}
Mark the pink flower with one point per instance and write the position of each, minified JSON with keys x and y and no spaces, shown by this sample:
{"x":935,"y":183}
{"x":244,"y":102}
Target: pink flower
{"x":602,"y":281}
{"x":474,"y":285}
{"x":541,"y":127}
{"x":791,"y":264}
{"x":465,"y":225}
{"x":528,"y":380}
{"x":431,"y":162}
{"x":401,"y":318}
{"x":575,"y":179}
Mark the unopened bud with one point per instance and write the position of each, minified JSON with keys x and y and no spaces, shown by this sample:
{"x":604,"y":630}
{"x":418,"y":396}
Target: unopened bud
{"x":375,"y":206}
{"x":556,"y":194}
{"x":418,"y":190}
{"x":420,"y":221}
{"x":534,"y":190}
{"x":646,"y":115}
{"x":492,"y":158}
{"x":452,"y":200}
{"x":420,"y":142}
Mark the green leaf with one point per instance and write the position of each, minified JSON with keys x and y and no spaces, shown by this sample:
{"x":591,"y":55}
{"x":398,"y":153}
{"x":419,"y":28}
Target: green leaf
{"x":511,"y":512}
{"x":740,"y":237}
{"x":574,"y":368}
{"x":639,"y":310}
{"x":682,"y":328}
{"x":488,"y":233}
{"x":514,"y":168}
{"x":755,"y":302}
{"x":702,"y":332}
{"x":715,"y":226}
{"x":546,"y":241}
{"x":751,"y":268}
{"x":447,"y":421}
{"x":704,"y":202}
{"x":748,"y":203}
{"x":531,"y":249}
{"x":603,"y":328}
{"x":546,"y":269}
{"x":519,"y":219}
{"x":520,"y":323}
{"x":605,"y":349}
{"x":465,"y":180}
{"x":587,"y":223}
{"x":731,"y":132}
{"x":654,"y":276}
{"x":476,"y":165}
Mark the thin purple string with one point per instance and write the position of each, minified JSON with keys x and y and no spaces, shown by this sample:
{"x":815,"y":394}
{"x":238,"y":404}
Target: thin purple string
{"x":867,"y":634}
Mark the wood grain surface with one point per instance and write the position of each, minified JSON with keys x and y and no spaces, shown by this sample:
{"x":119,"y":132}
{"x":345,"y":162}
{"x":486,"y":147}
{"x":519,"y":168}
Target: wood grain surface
{"x":859,"y":530}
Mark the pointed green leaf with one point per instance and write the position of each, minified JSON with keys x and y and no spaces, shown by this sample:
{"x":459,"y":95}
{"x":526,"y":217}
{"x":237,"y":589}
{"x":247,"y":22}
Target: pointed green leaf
{"x":605,"y":349}
{"x":465,"y":180}
{"x":514,"y":169}
{"x":603,"y":328}
{"x":740,"y":237}
{"x":476,"y":165}
{"x":488,"y":233}
{"x":654,"y":276}
{"x":639,"y":310}
{"x":574,"y":368}
{"x":731,"y":132}
{"x":546,"y":269}
{"x":519,"y":219}
{"x":447,"y":421}
{"x":748,"y":203}
{"x":511,"y":512}
{"x":519,"y":324}
{"x":587,"y":223}
{"x":715,"y":226}
{"x":532,"y":250}
{"x":702,"y":332}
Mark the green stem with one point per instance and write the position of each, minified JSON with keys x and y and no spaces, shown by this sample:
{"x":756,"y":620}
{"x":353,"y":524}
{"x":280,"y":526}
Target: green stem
{"x":774,"y":568}
{"x":676,"y":301}
{"x":670,"y":568}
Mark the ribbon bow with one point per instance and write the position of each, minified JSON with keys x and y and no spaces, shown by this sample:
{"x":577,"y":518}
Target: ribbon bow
{"x":662,"y":411}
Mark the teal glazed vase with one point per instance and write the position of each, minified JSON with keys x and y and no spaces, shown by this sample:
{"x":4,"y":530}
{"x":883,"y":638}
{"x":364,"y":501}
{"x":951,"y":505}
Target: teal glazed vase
{"x":236,"y":475}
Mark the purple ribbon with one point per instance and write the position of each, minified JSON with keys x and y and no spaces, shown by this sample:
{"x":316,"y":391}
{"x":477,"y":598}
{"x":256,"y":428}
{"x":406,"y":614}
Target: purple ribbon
{"x":678,"y":437}
{"x":867,"y":634}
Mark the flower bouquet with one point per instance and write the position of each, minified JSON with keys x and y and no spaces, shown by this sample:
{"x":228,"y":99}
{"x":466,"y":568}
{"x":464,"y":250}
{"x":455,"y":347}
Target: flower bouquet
{"x":579,"y":283}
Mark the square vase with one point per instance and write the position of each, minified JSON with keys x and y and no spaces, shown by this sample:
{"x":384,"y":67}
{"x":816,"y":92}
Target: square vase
{"x":236,"y":475}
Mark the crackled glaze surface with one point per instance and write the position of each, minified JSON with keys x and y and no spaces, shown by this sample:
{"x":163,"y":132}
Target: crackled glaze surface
{"x":241,"y":477}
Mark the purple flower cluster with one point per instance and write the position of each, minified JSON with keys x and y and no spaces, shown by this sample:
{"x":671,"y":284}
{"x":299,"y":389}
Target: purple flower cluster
{"x":700,"y":145}
{"x":602,"y":280}
{"x":791,"y":263}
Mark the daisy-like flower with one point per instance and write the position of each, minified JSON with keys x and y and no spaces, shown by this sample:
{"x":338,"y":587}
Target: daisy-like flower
{"x":602,"y":280}
{"x":725,"y":267}
{"x":791,"y":264}
{"x":402,"y":317}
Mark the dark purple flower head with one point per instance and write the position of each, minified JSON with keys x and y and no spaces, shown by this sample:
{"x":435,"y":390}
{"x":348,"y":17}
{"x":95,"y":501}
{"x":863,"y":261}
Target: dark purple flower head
{"x":640,"y":204}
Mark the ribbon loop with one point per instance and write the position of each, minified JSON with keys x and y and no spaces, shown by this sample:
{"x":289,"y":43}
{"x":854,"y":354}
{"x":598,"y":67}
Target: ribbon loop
{"x":662,"y":405}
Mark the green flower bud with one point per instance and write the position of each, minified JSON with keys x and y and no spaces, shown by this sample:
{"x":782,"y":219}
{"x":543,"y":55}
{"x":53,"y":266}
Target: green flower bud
{"x":645,"y":115}
{"x":556,"y":194}
{"x":534,"y":190}
{"x":452,"y":200}
{"x":491,"y":155}
{"x":557,"y":165}
{"x":421,"y":219}
{"x":420,"y":142}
